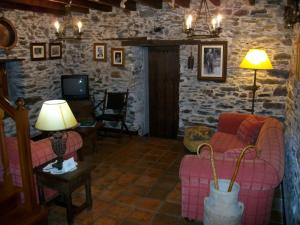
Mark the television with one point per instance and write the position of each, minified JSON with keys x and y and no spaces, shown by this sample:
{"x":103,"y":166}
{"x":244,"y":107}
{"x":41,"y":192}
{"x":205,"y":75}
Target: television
{"x":75,"y":87}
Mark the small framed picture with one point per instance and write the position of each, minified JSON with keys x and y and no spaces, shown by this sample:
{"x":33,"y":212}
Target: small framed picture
{"x":117,"y":57}
{"x":55,"y":50}
{"x":212,"y":61}
{"x":100,"y":52}
{"x":38,"y":51}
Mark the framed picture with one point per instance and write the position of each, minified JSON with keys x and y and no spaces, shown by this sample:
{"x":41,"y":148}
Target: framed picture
{"x":55,"y":50}
{"x":100,"y":52}
{"x":212,"y":61}
{"x":38,"y":51}
{"x":117,"y":57}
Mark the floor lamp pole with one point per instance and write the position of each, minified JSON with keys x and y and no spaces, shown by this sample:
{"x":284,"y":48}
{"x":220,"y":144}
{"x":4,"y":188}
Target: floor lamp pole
{"x":254,"y":88}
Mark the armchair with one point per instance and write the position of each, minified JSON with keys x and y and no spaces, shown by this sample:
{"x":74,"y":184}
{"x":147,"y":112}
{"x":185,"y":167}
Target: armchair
{"x":257,"y":177}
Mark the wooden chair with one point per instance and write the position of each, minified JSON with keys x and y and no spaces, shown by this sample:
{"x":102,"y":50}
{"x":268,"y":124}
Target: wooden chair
{"x":113,"y":107}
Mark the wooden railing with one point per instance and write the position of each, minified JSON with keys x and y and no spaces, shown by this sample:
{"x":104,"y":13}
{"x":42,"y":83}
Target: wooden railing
{"x":20,"y":116}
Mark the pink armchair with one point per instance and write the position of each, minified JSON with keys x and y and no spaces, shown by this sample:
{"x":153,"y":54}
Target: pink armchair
{"x":41,"y":152}
{"x":258,"y":176}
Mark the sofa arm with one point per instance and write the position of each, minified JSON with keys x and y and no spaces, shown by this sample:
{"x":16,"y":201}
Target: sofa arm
{"x":41,"y":151}
{"x":253,"y":174}
{"x":230,"y":122}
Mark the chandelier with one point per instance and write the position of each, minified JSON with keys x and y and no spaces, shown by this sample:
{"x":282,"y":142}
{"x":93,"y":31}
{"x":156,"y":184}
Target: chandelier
{"x":70,"y":29}
{"x":211,"y":25}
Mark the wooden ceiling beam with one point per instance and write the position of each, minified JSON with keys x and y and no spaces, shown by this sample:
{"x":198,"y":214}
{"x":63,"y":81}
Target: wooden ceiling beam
{"x":252,"y":2}
{"x":48,"y":5}
{"x":130,"y":4}
{"x":183,"y":3}
{"x":8,"y":5}
{"x":157,"y":4}
{"x":86,"y":4}
{"x":216,"y":2}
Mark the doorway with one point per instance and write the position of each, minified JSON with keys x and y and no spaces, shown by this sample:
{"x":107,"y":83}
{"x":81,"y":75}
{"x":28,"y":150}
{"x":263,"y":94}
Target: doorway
{"x":163,"y":77}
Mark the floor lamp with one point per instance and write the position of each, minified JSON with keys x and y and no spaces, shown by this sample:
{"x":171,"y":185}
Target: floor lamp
{"x":256,"y":59}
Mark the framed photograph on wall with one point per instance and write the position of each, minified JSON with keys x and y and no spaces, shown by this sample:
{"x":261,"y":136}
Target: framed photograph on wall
{"x":38,"y":51}
{"x":55,"y":50}
{"x":117,"y":57}
{"x":212,"y":61}
{"x":100,"y":52}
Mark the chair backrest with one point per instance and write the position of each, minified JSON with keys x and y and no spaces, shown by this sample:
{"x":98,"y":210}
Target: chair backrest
{"x":115,"y":100}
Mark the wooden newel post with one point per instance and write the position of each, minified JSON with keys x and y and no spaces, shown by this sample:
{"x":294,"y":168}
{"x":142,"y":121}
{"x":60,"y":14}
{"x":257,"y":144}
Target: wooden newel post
{"x":4,"y":154}
{"x":23,"y":137}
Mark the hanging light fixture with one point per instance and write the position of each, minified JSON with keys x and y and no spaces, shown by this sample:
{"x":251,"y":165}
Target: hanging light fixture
{"x":211,"y":25}
{"x":70,"y":29}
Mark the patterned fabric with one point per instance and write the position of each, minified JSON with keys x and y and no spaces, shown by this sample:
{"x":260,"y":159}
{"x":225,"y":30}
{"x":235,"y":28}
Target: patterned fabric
{"x":41,"y":152}
{"x":235,"y":153}
{"x":194,"y":136}
{"x":257,"y":177}
{"x":249,"y":130}
{"x":221,"y":142}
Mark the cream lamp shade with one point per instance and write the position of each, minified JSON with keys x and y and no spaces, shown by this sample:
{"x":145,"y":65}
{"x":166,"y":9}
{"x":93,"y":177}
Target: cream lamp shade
{"x":256,"y":59}
{"x":55,"y":115}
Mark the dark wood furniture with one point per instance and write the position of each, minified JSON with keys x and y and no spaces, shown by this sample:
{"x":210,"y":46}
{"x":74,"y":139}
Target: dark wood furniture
{"x":113,"y":108}
{"x":84,"y":110}
{"x":65,"y":185}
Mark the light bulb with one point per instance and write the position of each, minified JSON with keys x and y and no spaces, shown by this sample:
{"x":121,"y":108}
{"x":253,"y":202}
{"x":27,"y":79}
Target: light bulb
{"x":189,"y":21}
{"x":214,"y":22}
{"x":57,"y":25}
{"x":79,"y":24}
{"x":219,"y":19}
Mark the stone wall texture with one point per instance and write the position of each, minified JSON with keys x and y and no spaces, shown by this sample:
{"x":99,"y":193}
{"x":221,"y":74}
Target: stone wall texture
{"x":292,"y":140}
{"x":245,"y":27}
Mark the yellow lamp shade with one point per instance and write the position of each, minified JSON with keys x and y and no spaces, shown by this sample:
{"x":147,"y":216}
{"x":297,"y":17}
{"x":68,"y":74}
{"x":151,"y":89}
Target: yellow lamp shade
{"x":256,"y":59}
{"x":55,"y":115}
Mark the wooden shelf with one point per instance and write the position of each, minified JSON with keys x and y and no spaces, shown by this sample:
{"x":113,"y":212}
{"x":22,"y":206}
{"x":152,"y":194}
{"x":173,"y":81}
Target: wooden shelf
{"x":5,"y":60}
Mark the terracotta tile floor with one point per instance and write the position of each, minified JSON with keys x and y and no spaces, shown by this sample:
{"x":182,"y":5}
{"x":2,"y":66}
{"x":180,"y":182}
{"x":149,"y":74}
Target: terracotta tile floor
{"x":135,"y":182}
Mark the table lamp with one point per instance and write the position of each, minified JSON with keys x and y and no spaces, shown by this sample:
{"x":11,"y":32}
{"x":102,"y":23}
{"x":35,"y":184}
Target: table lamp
{"x":256,"y":59}
{"x":56,"y":116}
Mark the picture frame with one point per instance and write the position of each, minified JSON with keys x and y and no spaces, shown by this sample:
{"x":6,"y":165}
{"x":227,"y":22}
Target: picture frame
{"x":117,"y":57}
{"x":212,"y":61}
{"x":55,"y":50}
{"x":100,"y":52}
{"x":38,"y":51}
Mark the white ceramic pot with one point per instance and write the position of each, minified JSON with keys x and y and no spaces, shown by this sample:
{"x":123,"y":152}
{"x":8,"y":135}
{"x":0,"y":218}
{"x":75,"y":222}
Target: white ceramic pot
{"x":222,"y":207}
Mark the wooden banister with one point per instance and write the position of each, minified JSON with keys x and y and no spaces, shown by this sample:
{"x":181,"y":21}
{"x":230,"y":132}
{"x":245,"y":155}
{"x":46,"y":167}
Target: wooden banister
{"x":4,"y":154}
{"x":20,"y":116}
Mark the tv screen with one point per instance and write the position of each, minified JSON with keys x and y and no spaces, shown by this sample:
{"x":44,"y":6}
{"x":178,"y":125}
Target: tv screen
{"x":75,"y":87}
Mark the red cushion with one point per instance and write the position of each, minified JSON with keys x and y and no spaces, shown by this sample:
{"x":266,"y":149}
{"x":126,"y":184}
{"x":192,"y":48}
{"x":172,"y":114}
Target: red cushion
{"x":221,"y":142}
{"x":249,"y":129}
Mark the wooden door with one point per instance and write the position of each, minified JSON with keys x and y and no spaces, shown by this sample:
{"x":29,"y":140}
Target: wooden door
{"x":163,"y":91}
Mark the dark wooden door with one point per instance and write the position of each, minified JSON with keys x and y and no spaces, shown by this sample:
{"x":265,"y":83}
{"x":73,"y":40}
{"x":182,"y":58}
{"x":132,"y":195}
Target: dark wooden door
{"x":163,"y":91}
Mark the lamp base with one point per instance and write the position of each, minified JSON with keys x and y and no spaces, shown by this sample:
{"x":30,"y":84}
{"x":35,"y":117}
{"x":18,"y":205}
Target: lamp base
{"x":58,"y":142}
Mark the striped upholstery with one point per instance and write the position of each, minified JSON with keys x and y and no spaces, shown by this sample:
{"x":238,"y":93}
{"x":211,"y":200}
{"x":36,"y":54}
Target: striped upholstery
{"x":258,"y":177}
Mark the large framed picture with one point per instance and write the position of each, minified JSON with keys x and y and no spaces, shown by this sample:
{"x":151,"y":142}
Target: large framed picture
{"x":55,"y":50}
{"x":212,"y":61}
{"x":38,"y":51}
{"x":117,"y":57}
{"x":100,"y":52}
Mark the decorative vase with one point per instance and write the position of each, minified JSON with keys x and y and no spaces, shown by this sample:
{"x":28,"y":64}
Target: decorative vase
{"x":222,"y":207}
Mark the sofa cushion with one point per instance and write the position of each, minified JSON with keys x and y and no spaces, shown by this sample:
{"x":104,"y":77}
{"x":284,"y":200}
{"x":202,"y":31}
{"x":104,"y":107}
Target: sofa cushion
{"x":222,"y":142}
{"x":235,"y":153}
{"x":249,"y":129}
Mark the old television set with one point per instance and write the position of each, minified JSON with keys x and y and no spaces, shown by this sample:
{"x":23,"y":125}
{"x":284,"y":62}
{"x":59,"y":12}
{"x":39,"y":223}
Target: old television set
{"x":75,"y":87}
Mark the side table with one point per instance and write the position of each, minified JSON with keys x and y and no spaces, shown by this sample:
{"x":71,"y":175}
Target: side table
{"x":65,"y":185}
{"x":89,"y":137}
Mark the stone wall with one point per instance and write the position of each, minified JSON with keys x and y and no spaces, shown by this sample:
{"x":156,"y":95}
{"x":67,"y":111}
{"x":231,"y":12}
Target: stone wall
{"x":292,"y":141}
{"x":36,"y":81}
{"x":244,"y":27}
